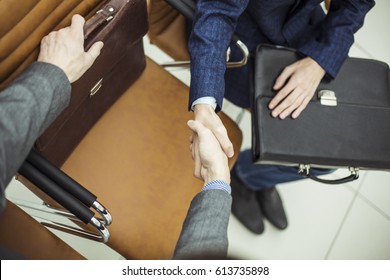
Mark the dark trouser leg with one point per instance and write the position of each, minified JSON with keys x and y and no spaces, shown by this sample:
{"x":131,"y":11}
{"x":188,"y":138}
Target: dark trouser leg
{"x":262,"y":179}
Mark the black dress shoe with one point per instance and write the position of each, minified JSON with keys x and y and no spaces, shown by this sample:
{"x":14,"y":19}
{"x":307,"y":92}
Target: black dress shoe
{"x":245,"y":206}
{"x":272,"y":207}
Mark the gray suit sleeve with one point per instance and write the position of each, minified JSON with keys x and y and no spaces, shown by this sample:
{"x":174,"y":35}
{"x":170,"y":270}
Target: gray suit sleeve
{"x":204,"y":232}
{"x":27,"y":107}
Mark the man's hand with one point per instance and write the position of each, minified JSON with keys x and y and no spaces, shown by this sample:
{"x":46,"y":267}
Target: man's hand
{"x":207,"y":116}
{"x":65,"y":49}
{"x":211,"y":162}
{"x":296,"y":86}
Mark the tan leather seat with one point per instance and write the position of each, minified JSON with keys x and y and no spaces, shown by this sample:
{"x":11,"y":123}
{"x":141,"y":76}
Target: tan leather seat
{"x":25,"y":236}
{"x":167,"y":29}
{"x":136,"y":160}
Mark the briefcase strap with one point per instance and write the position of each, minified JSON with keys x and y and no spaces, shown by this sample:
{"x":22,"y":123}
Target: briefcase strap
{"x":304,"y":170}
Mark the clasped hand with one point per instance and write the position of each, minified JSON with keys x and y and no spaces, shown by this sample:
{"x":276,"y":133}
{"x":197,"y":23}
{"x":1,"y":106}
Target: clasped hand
{"x":295,"y":87}
{"x":211,"y":162}
{"x":65,"y":49}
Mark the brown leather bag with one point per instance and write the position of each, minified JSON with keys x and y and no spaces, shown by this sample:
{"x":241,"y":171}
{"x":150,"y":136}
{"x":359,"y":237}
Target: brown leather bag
{"x":120,"y":24}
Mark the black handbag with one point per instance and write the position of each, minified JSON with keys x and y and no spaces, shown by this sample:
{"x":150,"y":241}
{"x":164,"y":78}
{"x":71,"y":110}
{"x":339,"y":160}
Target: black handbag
{"x":346,"y":124}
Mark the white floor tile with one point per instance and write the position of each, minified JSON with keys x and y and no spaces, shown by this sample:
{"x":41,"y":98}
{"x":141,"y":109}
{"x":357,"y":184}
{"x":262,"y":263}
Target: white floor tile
{"x":231,"y":110}
{"x":358,"y":51}
{"x":154,"y":53}
{"x":90,"y":249}
{"x":374,"y":36}
{"x":315,"y":212}
{"x":17,"y":190}
{"x":364,"y":235}
{"x":376,"y":189}
{"x":243,"y":118}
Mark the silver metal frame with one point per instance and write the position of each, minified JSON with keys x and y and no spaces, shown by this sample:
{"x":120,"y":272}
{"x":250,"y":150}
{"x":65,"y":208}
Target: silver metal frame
{"x":230,"y":64}
{"x":102,"y":234}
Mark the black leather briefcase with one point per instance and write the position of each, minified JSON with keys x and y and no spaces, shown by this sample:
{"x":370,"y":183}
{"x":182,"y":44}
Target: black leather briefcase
{"x":346,"y":124}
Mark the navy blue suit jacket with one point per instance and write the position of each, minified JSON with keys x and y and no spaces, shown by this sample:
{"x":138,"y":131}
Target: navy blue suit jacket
{"x":300,"y":24}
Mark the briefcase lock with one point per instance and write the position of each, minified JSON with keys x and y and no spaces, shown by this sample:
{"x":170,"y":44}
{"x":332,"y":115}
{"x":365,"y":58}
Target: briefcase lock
{"x":327,"y":97}
{"x":96,"y":87}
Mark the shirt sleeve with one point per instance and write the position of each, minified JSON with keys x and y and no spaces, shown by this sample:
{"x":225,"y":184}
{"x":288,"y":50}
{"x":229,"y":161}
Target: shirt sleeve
{"x":217,"y":185}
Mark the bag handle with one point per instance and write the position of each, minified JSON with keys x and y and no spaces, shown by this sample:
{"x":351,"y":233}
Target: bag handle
{"x":68,"y":201}
{"x":103,"y":16}
{"x":68,"y":184}
{"x":304,"y":170}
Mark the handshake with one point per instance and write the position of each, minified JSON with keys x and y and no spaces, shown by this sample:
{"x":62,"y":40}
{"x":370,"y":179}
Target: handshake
{"x":211,"y":163}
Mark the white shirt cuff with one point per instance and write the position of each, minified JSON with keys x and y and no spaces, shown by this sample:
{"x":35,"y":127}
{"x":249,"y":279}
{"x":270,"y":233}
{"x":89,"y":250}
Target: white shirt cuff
{"x":205,"y":100}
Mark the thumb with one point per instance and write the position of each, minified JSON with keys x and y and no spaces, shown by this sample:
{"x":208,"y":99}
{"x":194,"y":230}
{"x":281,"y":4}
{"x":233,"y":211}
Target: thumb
{"x":94,"y":51}
{"x":195,"y":126}
{"x":225,"y":142}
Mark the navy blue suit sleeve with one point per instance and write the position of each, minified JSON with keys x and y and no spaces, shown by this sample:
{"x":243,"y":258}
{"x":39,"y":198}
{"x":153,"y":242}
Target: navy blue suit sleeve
{"x":336,"y":35}
{"x":213,"y":27}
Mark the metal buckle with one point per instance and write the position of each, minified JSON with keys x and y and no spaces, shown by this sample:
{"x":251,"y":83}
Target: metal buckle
{"x":96,"y":87}
{"x":327,"y":97}
{"x":304,"y":169}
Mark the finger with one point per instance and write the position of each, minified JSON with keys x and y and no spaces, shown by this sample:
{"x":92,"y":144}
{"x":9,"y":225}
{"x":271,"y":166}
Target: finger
{"x":94,"y":51}
{"x":196,"y":126}
{"x":223,"y":139}
{"x":288,"y":105}
{"x":280,"y":97}
{"x":220,"y":133}
{"x":292,"y":102}
{"x":283,"y":77}
{"x":197,"y":163}
{"x":299,"y":110}
{"x":77,"y":24}
{"x":282,"y":94}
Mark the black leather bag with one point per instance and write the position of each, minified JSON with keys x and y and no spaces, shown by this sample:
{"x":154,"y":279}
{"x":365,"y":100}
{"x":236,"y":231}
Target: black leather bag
{"x":346,"y":124}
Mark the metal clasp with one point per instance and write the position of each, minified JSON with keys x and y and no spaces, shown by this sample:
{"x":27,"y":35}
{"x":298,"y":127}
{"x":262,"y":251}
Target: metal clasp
{"x":108,"y":11}
{"x":327,"y":97}
{"x":354,"y":171}
{"x":304,"y":169}
{"x":96,"y":87}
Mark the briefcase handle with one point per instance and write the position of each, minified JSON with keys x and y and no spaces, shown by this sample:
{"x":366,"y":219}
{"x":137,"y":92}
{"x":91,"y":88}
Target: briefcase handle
{"x":304,"y":170}
{"x":102,"y":16}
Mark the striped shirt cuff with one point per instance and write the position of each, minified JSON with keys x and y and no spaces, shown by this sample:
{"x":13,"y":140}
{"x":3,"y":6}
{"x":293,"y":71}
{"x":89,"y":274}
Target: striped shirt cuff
{"x":219,"y":185}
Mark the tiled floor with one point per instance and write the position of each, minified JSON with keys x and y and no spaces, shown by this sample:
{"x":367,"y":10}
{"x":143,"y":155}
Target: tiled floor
{"x":350,"y":221}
